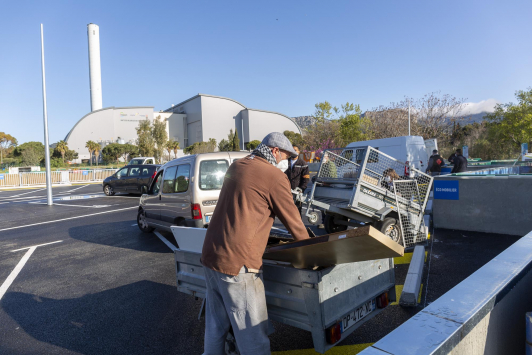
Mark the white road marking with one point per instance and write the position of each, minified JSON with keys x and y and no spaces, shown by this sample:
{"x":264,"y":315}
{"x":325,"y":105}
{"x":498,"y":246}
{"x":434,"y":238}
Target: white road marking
{"x":25,"y":193}
{"x":77,"y":188}
{"x":35,"y":246}
{"x":66,"y":219}
{"x":19,"y":266}
{"x":15,"y":272}
{"x":134,"y":225}
{"x":1,"y":203}
{"x":64,"y":204}
{"x":165,"y":241}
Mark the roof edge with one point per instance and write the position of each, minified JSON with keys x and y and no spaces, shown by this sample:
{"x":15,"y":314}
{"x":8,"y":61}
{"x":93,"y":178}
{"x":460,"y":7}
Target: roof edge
{"x":102,"y":109}
{"x":277,"y":113}
{"x":200,"y":95}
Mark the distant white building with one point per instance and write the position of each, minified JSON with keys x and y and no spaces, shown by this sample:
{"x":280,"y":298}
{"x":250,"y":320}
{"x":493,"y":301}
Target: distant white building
{"x":194,"y":120}
{"x":205,"y":116}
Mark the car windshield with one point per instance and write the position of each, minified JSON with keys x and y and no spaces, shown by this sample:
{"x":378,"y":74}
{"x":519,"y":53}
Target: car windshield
{"x":212,"y":174}
{"x":136,"y":162}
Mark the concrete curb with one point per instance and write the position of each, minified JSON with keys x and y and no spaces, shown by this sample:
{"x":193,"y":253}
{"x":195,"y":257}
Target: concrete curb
{"x":413,"y":279}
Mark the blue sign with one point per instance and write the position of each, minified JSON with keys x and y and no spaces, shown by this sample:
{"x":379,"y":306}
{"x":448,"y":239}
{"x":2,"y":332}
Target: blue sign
{"x":1,"y":177}
{"x":446,"y":190}
{"x":85,"y":172}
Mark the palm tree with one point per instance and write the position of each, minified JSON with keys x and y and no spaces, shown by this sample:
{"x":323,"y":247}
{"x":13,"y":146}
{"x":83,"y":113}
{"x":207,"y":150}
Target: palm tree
{"x":90,"y":146}
{"x":62,"y":147}
{"x":97,"y":149}
{"x":175,"y":147}
{"x":169,"y":146}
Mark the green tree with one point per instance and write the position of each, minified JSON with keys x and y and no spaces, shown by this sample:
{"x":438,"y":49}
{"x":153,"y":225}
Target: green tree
{"x":31,"y":157}
{"x":169,"y":147}
{"x":7,"y":142}
{"x":175,"y":148}
{"x":97,"y":150}
{"x":160,"y":137}
{"x":90,"y":145}
{"x":294,"y":138}
{"x":145,"y":141}
{"x":253,"y":144}
{"x":36,"y":148}
{"x":113,"y":151}
{"x":129,"y":151}
{"x":62,"y":148}
{"x":201,"y":147}
{"x":236,"y":142}
{"x":513,"y":122}
{"x":353,"y":127}
{"x":232,"y":144}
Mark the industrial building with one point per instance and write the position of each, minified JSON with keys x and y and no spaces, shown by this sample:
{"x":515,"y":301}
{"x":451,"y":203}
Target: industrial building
{"x":197,"y":119}
{"x":203,"y":117}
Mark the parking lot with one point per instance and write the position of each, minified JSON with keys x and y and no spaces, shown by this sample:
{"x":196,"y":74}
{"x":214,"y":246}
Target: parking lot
{"x":80,"y":277}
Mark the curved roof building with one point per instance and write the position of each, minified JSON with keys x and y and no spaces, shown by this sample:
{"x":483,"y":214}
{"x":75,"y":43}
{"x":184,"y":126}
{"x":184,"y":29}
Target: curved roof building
{"x":194,"y":120}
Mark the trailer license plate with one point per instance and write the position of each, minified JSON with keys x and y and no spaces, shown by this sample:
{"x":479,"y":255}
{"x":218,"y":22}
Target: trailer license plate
{"x":359,"y":313}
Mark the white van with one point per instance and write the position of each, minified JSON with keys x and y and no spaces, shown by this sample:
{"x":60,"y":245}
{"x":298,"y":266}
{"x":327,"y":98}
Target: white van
{"x":408,"y":149}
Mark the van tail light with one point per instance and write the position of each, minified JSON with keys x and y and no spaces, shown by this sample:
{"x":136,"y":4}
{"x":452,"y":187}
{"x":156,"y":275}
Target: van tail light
{"x":196,"y":211}
{"x":333,"y":334}
{"x":382,"y":300}
{"x":407,"y":164}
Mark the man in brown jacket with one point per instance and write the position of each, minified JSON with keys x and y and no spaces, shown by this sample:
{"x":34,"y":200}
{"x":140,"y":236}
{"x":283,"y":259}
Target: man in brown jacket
{"x":253,"y":194}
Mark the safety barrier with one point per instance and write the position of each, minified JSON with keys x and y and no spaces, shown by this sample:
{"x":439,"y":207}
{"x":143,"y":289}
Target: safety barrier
{"x":484,"y":314}
{"x":57,"y":177}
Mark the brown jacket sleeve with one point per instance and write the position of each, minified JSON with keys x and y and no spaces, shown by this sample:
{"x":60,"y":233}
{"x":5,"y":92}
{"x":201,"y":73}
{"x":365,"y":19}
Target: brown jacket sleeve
{"x":285,"y":209}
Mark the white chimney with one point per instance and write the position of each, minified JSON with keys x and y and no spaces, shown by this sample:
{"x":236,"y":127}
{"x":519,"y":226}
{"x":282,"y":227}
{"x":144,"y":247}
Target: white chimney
{"x":95,"y":71}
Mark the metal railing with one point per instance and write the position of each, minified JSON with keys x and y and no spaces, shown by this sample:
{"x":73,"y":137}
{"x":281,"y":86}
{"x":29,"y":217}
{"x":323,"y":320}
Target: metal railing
{"x":57,"y":177}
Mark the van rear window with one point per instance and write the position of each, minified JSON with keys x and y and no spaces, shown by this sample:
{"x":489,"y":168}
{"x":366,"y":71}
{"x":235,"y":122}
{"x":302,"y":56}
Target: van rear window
{"x":212,"y":174}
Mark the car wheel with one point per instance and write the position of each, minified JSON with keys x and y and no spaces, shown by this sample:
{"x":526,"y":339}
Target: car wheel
{"x":331,"y":226}
{"x":143,"y":223}
{"x":390,"y":227}
{"x":108,"y":190}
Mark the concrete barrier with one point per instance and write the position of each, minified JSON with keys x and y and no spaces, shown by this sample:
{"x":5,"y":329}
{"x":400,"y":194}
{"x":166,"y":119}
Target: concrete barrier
{"x":493,"y":204}
{"x":481,"y":315}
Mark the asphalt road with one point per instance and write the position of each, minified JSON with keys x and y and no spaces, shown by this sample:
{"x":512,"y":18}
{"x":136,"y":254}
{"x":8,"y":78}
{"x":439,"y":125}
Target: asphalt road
{"x":103,"y":286}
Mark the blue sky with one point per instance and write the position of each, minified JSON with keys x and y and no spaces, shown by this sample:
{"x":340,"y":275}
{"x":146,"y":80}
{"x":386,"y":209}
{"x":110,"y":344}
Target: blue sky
{"x":282,"y":56}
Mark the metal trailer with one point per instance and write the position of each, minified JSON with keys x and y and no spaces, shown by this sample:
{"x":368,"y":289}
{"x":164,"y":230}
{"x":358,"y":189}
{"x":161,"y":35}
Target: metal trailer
{"x":363,"y":185}
{"x":330,"y":303}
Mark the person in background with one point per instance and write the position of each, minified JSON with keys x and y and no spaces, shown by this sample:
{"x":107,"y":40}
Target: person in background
{"x":451,"y":158}
{"x":435,"y":164}
{"x":389,"y":175}
{"x":254,"y":192}
{"x":298,"y":174}
{"x":460,"y":163}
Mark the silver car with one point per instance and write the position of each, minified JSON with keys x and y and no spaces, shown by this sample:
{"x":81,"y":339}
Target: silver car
{"x":185,"y":191}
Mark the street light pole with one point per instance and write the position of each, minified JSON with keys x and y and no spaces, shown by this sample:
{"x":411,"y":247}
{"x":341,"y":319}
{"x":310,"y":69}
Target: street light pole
{"x":409,"y":117}
{"x":46,"y":143}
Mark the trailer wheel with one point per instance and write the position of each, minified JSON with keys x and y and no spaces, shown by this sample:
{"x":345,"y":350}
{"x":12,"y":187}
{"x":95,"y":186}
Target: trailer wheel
{"x":331,"y":227}
{"x":313,"y":218}
{"x":391,"y":228}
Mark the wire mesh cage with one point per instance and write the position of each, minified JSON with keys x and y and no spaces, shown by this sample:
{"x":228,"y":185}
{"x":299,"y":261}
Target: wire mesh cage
{"x":410,"y":212}
{"x":365,"y":182}
{"x":338,"y":164}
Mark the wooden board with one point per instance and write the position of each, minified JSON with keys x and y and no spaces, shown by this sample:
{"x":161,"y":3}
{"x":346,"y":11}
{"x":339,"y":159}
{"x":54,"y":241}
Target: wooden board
{"x":361,"y":244}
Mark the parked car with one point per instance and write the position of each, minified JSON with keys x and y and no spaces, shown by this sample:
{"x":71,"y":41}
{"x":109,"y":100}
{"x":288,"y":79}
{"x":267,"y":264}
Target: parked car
{"x":142,"y":161}
{"x":185,"y":191}
{"x":131,"y":179}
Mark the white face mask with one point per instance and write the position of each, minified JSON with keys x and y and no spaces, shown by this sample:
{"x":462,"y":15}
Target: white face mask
{"x":388,"y":179}
{"x":283,"y":165}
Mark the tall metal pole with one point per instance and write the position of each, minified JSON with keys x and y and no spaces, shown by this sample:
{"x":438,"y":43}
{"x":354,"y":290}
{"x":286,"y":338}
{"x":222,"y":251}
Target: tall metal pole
{"x":46,"y":143}
{"x":408,"y":116}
